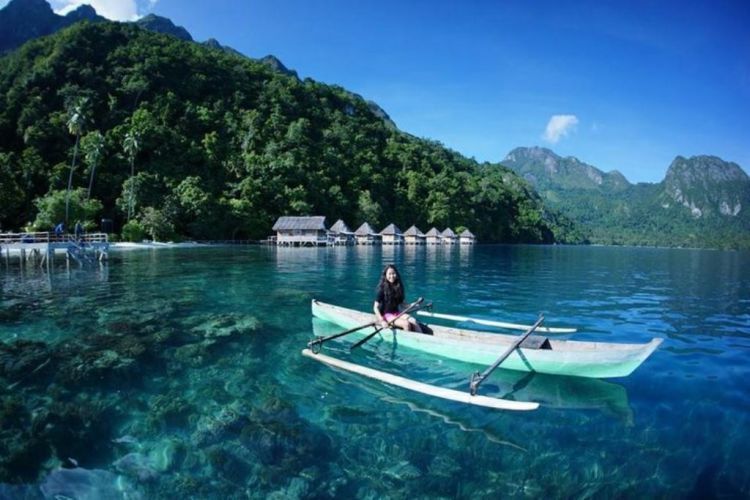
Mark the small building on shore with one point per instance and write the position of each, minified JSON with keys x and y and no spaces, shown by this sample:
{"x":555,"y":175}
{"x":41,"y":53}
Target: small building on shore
{"x":466,"y":237}
{"x":340,"y":234}
{"x":392,"y":235}
{"x":449,"y":237}
{"x":366,"y":235}
{"x":413,"y":236}
{"x":433,"y":237}
{"x":301,"y":231}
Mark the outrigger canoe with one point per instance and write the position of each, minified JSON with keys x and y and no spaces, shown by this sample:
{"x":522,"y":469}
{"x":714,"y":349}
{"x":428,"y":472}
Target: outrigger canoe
{"x":536,"y":354}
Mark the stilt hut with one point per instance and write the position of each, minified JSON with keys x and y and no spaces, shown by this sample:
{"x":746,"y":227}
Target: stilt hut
{"x":340,"y":234}
{"x":466,"y":237}
{"x":433,"y":237}
{"x":449,"y":237}
{"x":413,"y":236}
{"x":392,"y":235}
{"x":365,"y":235}
{"x":301,"y":231}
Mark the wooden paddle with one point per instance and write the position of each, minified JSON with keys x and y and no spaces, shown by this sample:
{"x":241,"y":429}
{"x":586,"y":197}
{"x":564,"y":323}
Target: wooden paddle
{"x":410,"y":308}
{"x":319,"y":340}
{"x":477,"y":377}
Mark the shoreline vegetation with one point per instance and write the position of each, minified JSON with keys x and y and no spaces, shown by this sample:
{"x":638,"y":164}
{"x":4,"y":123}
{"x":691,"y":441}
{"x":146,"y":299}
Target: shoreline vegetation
{"x":171,"y":140}
{"x":176,"y":141}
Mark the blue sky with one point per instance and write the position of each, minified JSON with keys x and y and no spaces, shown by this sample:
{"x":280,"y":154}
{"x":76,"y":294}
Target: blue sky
{"x":621,"y":85}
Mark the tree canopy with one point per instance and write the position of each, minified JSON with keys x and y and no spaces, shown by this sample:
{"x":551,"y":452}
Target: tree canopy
{"x":213,"y":145}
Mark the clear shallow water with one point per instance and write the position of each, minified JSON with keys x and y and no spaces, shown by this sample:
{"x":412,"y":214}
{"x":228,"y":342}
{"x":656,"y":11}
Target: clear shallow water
{"x":177,"y":373}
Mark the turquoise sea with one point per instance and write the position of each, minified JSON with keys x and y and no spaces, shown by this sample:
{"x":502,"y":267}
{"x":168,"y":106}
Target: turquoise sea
{"x":177,"y":373}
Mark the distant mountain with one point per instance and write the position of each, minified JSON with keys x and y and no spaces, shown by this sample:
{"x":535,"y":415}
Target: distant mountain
{"x":214,"y":44}
{"x":546,"y":170}
{"x":707,"y":184}
{"x":273,"y":62}
{"x":23,"y":20}
{"x":703,"y":201}
{"x":163,"y":25}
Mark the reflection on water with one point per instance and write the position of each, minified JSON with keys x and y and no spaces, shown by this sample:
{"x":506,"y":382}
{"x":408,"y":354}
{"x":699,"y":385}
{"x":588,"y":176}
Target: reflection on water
{"x":177,"y":373}
{"x":560,"y":392}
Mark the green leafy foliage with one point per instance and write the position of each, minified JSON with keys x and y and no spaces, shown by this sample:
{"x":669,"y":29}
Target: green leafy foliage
{"x":200,"y":143}
{"x":51,"y":209}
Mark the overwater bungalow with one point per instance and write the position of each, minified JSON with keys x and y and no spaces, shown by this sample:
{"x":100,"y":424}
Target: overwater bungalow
{"x":392,"y":235}
{"x":340,"y":234}
{"x":433,"y":237}
{"x":366,"y":235}
{"x":301,"y":231}
{"x":413,"y":236}
{"x":466,"y":237}
{"x":449,"y":237}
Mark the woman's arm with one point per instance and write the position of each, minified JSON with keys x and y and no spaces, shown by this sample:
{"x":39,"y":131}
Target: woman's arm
{"x":376,"y":310}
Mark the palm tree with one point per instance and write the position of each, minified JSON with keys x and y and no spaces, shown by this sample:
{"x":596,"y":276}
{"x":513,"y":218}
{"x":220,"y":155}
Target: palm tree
{"x":76,"y":123}
{"x":94,"y":147}
{"x":131,"y":145}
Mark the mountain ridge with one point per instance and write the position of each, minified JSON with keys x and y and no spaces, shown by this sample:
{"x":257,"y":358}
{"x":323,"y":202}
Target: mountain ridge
{"x":225,"y":145}
{"x":24,"y":20}
{"x":702,"y":200}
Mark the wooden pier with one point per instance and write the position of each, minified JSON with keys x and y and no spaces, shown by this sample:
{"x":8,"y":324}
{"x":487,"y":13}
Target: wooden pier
{"x":41,"y":248}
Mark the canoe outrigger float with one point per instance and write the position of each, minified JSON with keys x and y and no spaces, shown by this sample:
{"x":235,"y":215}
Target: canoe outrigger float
{"x":530,"y":353}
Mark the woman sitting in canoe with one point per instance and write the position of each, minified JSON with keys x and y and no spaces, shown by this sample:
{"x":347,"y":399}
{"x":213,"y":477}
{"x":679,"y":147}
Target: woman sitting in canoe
{"x":390,"y":298}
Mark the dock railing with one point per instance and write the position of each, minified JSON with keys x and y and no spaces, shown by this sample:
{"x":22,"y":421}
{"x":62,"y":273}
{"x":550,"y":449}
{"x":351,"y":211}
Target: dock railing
{"x":50,"y":237}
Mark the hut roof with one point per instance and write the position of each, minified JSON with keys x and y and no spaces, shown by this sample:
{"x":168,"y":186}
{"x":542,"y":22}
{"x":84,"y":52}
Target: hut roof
{"x":413,"y":231}
{"x":433,"y":232}
{"x":316,"y":222}
{"x":340,"y":227}
{"x":448,"y":233}
{"x":467,"y":234}
{"x":364,"y":230}
{"x":391,"y":229}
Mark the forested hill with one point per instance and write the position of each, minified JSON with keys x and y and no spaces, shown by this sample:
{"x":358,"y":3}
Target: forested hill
{"x":188,"y":140}
{"x":703,"y":201}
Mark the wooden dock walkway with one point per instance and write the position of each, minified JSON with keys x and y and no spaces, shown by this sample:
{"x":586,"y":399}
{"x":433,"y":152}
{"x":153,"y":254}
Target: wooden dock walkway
{"x":42,"y":247}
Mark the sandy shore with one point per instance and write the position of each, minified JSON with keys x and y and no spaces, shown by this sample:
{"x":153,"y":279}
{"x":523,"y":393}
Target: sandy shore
{"x":127,"y":245}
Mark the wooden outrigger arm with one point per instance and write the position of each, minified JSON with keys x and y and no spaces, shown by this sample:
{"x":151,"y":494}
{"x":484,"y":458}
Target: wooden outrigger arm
{"x":477,"y":378}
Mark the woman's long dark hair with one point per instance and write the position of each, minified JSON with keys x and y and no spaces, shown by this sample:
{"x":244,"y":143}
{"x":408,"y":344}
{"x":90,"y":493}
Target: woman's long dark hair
{"x":393,"y":294}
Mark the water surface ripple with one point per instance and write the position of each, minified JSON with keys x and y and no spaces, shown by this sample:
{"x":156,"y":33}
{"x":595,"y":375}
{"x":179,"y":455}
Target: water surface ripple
{"x":178,"y":373}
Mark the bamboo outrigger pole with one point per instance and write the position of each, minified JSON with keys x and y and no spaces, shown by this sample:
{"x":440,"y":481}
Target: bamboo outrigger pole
{"x":477,"y":378}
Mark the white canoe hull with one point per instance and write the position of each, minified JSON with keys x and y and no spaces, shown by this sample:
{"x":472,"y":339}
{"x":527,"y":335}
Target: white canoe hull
{"x":565,"y":357}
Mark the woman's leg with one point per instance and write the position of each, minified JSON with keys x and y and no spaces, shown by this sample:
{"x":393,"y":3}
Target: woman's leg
{"x":414,"y":324}
{"x":406,"y":322}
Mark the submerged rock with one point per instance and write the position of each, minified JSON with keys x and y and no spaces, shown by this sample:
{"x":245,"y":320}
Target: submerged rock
{"x":214,"y":326}
{"x":137,"y":466}
{"x":403,"y":471}
{"x":85,"y":484}
{"x":169,"y":410}
{"x":212,"y":428}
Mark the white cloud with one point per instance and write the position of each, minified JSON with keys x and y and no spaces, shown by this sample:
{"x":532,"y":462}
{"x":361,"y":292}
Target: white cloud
{"x":559,"y":126}
{"x":116,"y":10}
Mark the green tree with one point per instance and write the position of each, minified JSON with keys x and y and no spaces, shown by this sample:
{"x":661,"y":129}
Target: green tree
{"x":77,"y":117}
{"x":93,"y":148}
{"x":52,"y":207}
{"x":157,"y":224}
{"x":131,"y":145}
